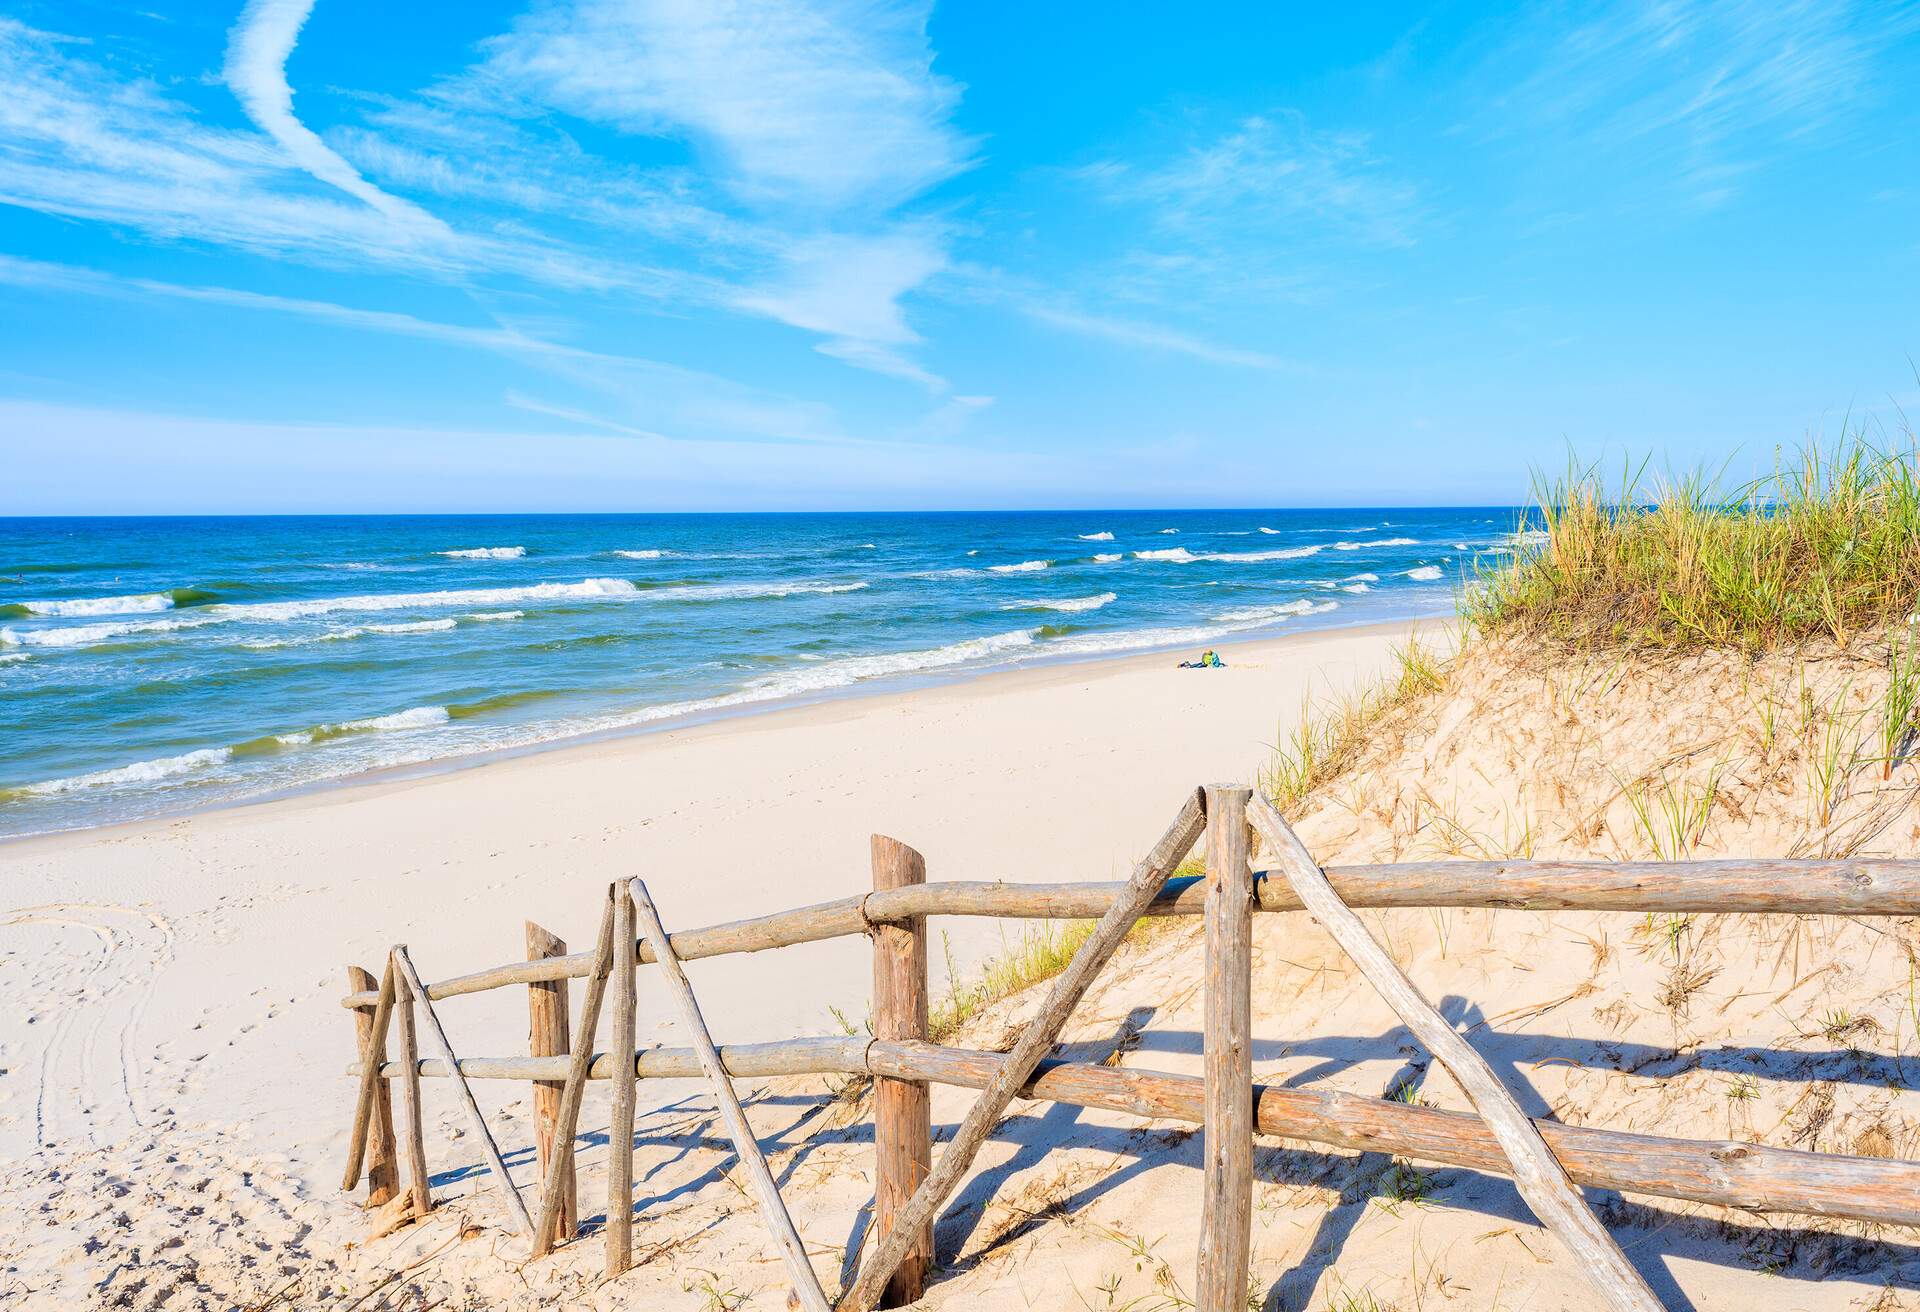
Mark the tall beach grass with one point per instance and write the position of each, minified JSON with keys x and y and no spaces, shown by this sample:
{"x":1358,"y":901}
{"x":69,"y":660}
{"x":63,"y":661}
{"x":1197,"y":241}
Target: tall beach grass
{"x":1827,"y":545}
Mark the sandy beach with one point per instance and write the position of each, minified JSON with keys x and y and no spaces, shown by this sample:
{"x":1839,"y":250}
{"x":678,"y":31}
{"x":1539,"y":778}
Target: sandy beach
{"x":177,"y":980}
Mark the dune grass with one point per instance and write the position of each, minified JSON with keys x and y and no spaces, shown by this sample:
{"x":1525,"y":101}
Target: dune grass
{"x":1327,"y":740}
{"x":1827,"y":545}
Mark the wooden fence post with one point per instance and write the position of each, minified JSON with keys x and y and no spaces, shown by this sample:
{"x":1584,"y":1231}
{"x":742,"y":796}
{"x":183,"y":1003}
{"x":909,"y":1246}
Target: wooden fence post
{"x":1226,"y":1223}
{"x":620,"y":1046}
{"x":902,"y":1109}
{"x":419,"y":1186}
{"x":547,"y":1037}
{"x":383,"y":1167}
{"x":578,"y":1066}
{"x":1036,"y":1039}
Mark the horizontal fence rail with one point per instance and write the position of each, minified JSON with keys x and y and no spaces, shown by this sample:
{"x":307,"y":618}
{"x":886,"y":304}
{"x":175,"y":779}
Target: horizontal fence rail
{"x":1847,"y":888}
{"x":1721,"y":1172}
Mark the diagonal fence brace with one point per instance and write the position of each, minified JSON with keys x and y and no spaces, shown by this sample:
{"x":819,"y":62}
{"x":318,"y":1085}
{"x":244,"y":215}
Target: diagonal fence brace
{"x":1035,"y":1042}
{"x":1536,"y":1171}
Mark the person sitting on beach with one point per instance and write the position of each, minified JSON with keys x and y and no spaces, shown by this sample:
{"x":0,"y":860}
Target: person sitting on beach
{"x":1209,"y":660}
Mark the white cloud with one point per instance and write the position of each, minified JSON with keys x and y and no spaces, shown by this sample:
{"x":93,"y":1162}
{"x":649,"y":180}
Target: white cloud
{"x":824,"y":105}
{"x":1690,"y":97}
{"x":1269,"y":172}
{"x":821,"y":117}
{"x":847,"y":289}
{"x":1155,"y":337}
{"x":256,"y":71}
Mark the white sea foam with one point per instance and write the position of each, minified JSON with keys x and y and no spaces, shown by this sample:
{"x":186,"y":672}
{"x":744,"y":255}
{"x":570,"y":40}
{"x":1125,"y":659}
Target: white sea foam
{"x":749,"y":591}
{"x":86,"y":635}
{"x":348,"y":634}
{"x":651,"y":553}
{"x":1065,"y":603}
{"x":1181,"y":555}
{"x":1258,"y":614}
{"x":1024,"y":567}
{"x":1355,"y":587}
{"x":412,"y":626}
{"x":134,"y":605}
{"x":418,"y":717}
{"x":1169,"y":530}
{"x":1106,"y":558}
{"x":1380,"y":542}
{"x":1096,"y":537}
{"x":1529,"y":537}
{"x":13,"y":658}
{"x":485,"y":553}
{"x":488,"y":615}
{"x":140,"y":772}
{"x":1265,"y":529}
{"x":1424,"y":574}
{"x":1363,"y":578}
{"x":586,"y":590}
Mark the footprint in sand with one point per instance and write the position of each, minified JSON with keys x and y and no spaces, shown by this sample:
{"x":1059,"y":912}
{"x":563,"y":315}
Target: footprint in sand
{"x":83,"y":975}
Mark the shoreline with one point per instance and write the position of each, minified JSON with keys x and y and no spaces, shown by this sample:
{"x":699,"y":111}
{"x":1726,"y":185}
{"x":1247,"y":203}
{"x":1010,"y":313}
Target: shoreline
{"x":897,"y":686}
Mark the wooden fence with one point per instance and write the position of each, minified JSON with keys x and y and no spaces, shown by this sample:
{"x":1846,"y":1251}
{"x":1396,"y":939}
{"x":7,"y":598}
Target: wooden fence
{"x":1546,"y":1160}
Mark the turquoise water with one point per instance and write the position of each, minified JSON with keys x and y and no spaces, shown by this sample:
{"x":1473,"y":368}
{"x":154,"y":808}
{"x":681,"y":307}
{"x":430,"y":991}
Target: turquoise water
{"x":152,"y":665}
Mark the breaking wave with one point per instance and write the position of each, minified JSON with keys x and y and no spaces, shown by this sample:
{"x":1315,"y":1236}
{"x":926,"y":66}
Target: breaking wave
{"x":1096,"y":537}
{"x":484,"y":553}
{"x":140,"y":772}
{"x":1067,"y":603}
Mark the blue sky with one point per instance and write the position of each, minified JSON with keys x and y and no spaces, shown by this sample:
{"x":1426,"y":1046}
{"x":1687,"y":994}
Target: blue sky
{"x":336,"y":255}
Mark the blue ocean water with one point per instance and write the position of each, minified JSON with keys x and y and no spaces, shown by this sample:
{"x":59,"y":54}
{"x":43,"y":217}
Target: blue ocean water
{"x":153,"y":665}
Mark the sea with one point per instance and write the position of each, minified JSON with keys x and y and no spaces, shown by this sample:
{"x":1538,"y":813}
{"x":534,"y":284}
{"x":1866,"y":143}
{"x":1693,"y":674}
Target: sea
{"x":153,"y":666}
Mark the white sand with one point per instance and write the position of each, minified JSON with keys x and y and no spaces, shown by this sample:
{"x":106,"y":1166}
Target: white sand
{"x":172,"y":1016}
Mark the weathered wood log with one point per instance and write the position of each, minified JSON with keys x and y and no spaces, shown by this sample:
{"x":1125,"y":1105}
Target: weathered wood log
{"x":620,"y":1125}
{"x":383,"y":1164}
{"x":516,"y":1209}
{"x":1226,"y":1218}
{"x":1035,"y":1040}
{"x":372,"y":1041}
{"x":793,"y":1253}
{"x":547,"y":1037}
{"x":1723,"y":1173}
{"x":840,"y":918}
{"x":573,"y":1088}
{"x":827,"y":1055}
{"x":1807,"y":888}
{"x":1538,"y":1175}
{"x":419,"y":1182}
{"x":902,"y":1109}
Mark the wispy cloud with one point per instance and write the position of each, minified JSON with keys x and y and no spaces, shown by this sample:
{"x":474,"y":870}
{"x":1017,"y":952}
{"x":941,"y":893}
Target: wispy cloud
{"x":826,"y":105}
{"x":821,"y":117}
{"x":1691,"y":97}
{"x":847,"y":289}
{"x":1267,"y":174}
{"x":81,"y":139}
{"x":1154,"y":337}
{"x":256,"y":70}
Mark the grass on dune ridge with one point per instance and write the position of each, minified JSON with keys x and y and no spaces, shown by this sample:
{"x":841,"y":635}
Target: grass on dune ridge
{"x":1827,"y":545}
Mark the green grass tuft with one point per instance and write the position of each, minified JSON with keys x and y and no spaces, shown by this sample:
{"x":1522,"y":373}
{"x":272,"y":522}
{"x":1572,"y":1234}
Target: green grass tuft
{"x":1828,"y":545}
